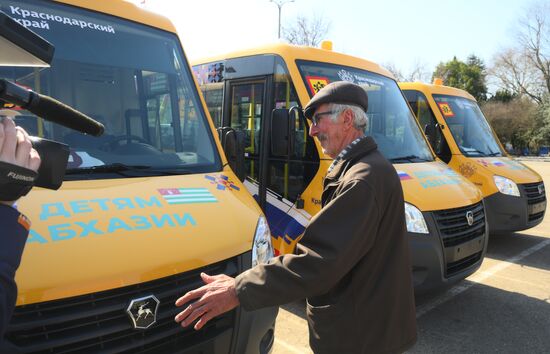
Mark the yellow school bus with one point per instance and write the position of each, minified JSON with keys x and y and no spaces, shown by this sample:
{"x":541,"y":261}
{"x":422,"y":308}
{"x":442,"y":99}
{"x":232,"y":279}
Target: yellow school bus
{"x":144,"y":209}
{"x":514,"y":194}
{"x":444,"y":211}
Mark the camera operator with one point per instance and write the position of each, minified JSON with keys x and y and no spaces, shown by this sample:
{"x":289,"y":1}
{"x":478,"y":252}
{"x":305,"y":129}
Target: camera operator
{"x":19,"y":164}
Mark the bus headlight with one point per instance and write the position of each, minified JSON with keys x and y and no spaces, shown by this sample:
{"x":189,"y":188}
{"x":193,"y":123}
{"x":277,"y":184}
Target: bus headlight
{"x":415,"y":220}
{"x":506,"y":186}
{"x":262,"y":250}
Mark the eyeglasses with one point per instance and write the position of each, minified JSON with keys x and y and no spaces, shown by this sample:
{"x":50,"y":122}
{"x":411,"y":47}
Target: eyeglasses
{"x":317,"y":117}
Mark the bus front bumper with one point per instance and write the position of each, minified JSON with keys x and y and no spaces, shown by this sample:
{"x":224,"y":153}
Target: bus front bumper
{"x":436,"y":267}
{"x":507,"y":213}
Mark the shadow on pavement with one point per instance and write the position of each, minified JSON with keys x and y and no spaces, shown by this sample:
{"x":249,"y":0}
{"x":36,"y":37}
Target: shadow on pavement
{"x":485,"y":319}
{"x":505,"y":246}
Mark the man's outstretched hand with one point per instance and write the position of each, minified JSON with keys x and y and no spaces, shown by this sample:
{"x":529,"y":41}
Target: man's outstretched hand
{"x":216,"y":297}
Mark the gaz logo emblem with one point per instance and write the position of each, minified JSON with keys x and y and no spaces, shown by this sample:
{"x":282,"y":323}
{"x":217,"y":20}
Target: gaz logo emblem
{"x":143,"y":311}
{"x":470,"y":217}
{"x":541,"y":188}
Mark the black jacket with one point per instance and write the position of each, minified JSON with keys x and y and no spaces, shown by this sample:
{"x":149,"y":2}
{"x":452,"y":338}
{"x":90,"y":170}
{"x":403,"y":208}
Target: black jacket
{"x":14,"y":229}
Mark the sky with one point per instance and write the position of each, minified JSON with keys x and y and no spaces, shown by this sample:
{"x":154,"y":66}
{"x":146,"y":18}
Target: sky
{"x":401,"y":32}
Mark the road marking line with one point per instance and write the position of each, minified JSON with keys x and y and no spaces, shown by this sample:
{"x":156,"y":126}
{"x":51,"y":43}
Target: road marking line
{"x":533,"y":233}
{"x":529,"y":283}
{"x":478,"y":278}
{"x":289,"y":347}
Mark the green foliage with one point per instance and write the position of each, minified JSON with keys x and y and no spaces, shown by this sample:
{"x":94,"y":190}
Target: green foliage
{"x":541,"y":132}
{"x":512,"y":121}
{"x":469,"y":76}
{"x":520,"y":122}
{"x":503,"y":95}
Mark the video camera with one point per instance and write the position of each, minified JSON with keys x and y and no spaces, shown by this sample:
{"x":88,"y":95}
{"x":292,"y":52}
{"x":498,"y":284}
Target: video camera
{"x":22,"y":47}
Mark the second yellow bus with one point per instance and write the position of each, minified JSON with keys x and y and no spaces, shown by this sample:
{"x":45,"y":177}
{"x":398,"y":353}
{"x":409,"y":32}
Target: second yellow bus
{"x":444,"y":211}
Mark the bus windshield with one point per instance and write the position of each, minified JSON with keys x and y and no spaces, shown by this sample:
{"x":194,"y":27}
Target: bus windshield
{"x":131,"y":77}
{"x":391,"y":122}
{"x":469,"y":128}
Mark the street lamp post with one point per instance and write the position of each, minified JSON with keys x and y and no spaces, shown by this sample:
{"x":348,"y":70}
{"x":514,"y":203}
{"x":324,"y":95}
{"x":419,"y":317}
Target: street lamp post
{"x":280,"y":4}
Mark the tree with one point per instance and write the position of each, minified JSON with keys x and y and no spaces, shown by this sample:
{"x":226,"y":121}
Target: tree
{"x":525,"y":68}
{"x":417,"y":73}
{"x":503,"y":95}
{"x":476,"y":74}
{"x":513,"y":72}
{"x":395,"y":71}
{"x":541,"y":131}
{"x":513,"y":121}
{"x":304,"y":31}
{"x":469,"y":76}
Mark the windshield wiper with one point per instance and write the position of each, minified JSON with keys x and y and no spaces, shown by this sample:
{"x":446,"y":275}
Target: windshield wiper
{"x":122,"y":169}
{"x":410,"y":158}
{"x":478,"y":153}
{"x":494,"y":153}
{"x":469,"y":150}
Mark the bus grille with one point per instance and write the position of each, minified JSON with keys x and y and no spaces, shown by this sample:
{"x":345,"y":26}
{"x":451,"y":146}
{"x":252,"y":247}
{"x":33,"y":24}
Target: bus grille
{"x":98,"y":322}
{"x":455,"y":267}
{"x":534,"y":196}
{"x":454,"y":229}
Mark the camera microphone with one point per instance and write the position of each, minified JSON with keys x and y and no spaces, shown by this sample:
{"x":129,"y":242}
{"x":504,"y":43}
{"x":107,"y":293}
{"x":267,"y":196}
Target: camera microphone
{"x":49,"y":108}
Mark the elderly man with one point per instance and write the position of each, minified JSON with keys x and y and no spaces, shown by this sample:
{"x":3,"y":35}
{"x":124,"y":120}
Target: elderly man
{"x":352,"y":264}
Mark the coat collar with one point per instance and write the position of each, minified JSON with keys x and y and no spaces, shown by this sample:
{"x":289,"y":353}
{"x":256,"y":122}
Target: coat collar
{"x":356,"y":150}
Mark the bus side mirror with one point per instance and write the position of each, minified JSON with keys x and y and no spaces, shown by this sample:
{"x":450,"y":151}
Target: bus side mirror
{"x":430,"y":132}
{"x":283,"y":131}
{"x":233,"y":145}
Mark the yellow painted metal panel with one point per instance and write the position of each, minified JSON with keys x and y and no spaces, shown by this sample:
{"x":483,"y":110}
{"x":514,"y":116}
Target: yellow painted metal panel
{"x":95,"y":235}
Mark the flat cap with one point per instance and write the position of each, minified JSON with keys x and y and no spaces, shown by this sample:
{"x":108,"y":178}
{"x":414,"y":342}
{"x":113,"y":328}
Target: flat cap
{"x":342,"y":92}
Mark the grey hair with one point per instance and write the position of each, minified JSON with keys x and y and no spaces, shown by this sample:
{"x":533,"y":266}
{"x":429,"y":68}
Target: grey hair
{"x":360,"y":119}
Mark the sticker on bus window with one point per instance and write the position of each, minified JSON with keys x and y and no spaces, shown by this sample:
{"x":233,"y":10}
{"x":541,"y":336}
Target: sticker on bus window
{"x":316,"y":83}
{"x":345,"y":75}
{"x":209,"y":73}
{"x":446,"y":109}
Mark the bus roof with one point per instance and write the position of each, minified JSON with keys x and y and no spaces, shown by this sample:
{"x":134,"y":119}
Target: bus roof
{"x":294,"y":52}
{"x":436,"y":89}
{"x":125,"y":10}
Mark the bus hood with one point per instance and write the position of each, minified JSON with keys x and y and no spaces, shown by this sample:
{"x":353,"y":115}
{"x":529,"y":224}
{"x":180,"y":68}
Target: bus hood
{"x":509,"y":168}
{"x":95,"y":235}
{"x":435,"y":186}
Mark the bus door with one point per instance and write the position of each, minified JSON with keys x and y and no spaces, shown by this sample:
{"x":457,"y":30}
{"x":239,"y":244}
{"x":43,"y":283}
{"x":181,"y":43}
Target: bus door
{"x":246,"y":109}
{"x":432,"y":129}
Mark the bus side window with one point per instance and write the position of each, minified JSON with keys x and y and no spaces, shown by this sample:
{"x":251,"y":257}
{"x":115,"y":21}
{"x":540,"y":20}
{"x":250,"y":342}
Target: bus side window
{"x":246,"y":115}
{"x":421,"y":108}
{"x":290,"y":177}
{"x":213,"y":96}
